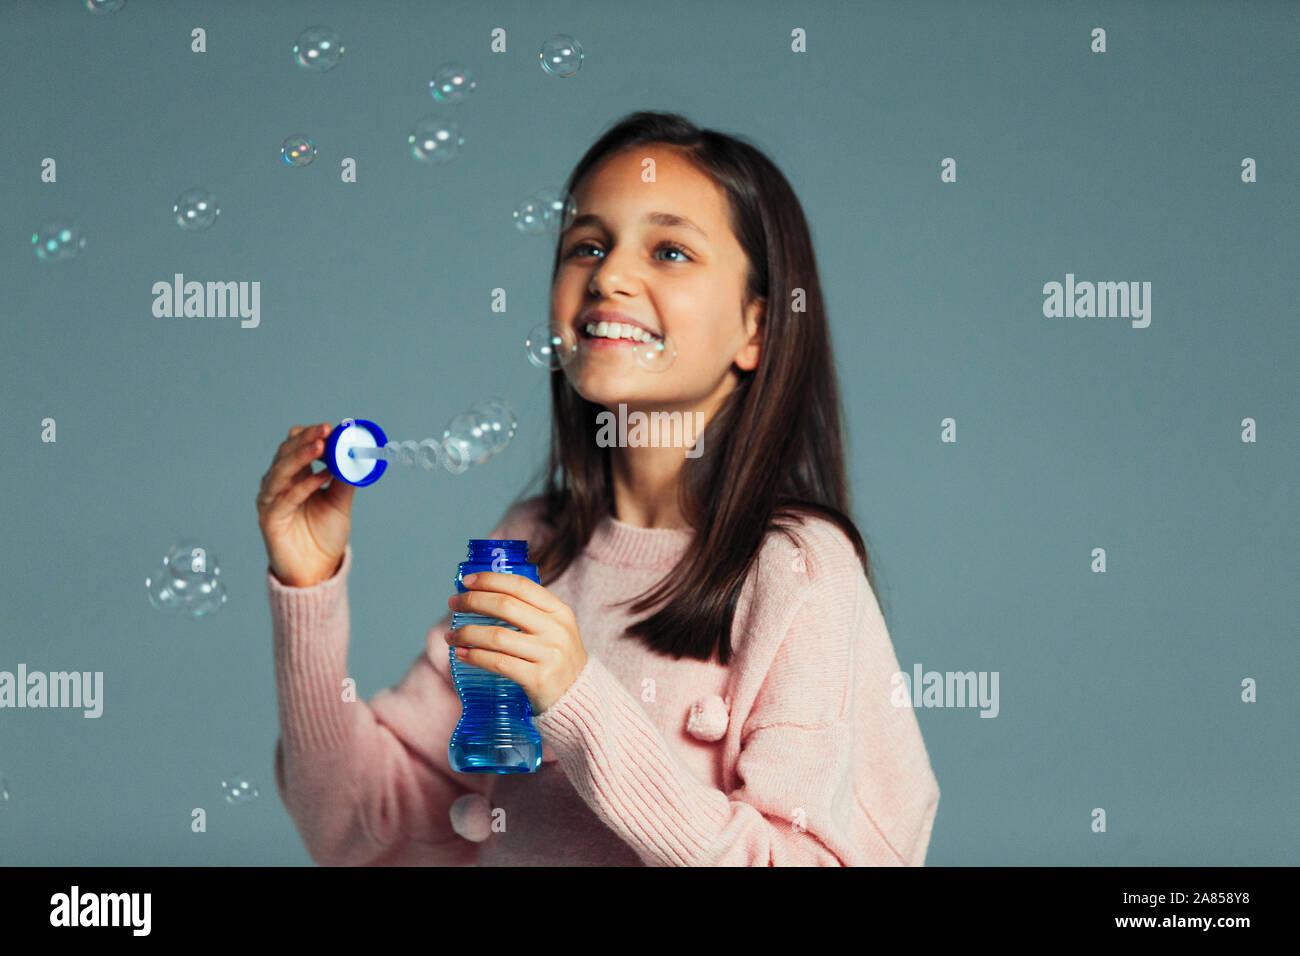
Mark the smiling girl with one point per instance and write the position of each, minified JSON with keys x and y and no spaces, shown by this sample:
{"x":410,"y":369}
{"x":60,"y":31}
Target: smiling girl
{"x":705,"y":659}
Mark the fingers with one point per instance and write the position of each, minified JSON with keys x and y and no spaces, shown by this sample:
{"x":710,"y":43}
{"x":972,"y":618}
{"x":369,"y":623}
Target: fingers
{"x":296,"y":452}
{"x":504,"y":607}
{"x":297,"y":493}
{"x":291,"y":466}
{"x":340,"y":493}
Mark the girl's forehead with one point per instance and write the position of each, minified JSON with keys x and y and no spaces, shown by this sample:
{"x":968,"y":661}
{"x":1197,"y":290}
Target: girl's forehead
{"x":619,"y":187}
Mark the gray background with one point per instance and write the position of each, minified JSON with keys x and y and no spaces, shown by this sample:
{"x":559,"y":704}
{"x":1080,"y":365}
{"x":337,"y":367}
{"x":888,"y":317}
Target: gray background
{"x":1118,"y":690}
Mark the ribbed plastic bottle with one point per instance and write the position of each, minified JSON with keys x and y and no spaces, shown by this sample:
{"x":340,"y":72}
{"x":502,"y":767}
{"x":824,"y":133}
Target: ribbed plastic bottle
{"x":495,"y":733}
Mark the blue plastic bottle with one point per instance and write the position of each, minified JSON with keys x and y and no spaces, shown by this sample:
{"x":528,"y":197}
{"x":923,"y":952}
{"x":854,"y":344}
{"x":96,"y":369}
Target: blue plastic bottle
{"x":494,"y":733}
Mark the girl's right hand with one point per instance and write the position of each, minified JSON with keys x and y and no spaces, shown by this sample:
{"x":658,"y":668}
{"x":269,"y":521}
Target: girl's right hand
{"x":305,"y":527}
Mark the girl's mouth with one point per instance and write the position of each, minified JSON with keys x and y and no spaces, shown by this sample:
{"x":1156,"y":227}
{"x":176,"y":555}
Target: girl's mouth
{"x":602,"y":335}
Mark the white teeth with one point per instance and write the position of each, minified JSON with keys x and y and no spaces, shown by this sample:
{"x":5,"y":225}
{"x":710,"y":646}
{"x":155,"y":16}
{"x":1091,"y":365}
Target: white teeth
{"x":619,"y":330}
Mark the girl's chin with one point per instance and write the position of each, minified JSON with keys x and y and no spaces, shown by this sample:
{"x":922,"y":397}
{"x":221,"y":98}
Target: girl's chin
{"x":610,"y":396}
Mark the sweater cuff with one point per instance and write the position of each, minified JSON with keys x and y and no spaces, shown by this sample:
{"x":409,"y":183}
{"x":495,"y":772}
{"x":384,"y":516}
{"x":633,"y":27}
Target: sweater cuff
{"x":310,"y":645}
{"x":559,"y":722}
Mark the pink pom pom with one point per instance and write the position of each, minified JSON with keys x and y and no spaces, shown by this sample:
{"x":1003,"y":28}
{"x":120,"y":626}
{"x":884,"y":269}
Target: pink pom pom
{"x":708,"y":719}
{"x":471,"y":817}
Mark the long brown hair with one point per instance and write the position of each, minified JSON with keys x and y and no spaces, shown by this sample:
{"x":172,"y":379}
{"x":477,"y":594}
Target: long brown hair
{"x":772,"y":451}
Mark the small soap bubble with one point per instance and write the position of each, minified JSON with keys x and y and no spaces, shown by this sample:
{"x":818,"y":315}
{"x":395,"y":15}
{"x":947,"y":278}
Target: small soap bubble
{"x":502,"y":420}
{"x":467,"y":440}
{"x":436,"y":139}
{"x":189,"y":582}
{"x":530,"y":216}
{"x":481,"y":432}
{"x":551,"y":347}
{"x":655,"y":356}
{"x":58,"y":240}
{"x":558,"y":208}
{"x":430,"y":454}
{"x":238,"y":789}
{"x":452,"y":83}
{"x":410,"y":452}
{"x":546,"y":210}
{"x":104,"y":6}
{"x":4,"y":792}
{"x":454,"y":457}
{"x":298,"y":150}
{"x":318,"y":48}
{"x":561,"y":55}
{"x":195,"y":209}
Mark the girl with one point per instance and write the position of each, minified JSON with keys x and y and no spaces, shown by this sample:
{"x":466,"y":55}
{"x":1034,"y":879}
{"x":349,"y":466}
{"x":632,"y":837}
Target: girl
{"x":740,"y":711}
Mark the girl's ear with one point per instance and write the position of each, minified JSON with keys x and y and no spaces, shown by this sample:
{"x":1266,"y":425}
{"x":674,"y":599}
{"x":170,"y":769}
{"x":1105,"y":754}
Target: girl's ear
{"x":747,"y":358}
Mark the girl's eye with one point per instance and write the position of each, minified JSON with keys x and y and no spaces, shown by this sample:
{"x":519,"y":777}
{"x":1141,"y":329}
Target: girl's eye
{"x":670,"y":246}
{"x":673,"y":247}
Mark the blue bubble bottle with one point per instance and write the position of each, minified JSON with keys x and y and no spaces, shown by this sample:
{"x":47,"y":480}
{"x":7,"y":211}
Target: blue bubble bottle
{"x":494,"y":733}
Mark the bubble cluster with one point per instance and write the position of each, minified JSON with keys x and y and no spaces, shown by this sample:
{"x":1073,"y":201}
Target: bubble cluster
{"x":104,"y":6}
{"x":58,"y":240}
{"x":436,"y":139}
{"x":318,"y":48}
{"x":238,"y":789}
{"x":561,"y":55}
{"x":298,"y":150}
{"x":546,"y":210}
{"x":474,"y":436}
{"x":551,"y":346}
{"x":195,"y":209}
{"x":470,"y":438}
{"x":189,"y":582}
{"x":655,"y":356}
{"x":452,"y":83}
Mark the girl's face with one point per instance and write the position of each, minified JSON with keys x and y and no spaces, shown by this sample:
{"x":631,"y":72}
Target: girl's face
{"x":685,"y":279}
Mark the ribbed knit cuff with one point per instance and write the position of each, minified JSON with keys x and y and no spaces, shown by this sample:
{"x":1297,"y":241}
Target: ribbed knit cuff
{"x":310,"y":644}
{"x":557,"y":719}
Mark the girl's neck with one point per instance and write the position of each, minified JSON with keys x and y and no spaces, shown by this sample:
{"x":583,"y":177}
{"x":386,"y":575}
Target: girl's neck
{"x":645,"y":486}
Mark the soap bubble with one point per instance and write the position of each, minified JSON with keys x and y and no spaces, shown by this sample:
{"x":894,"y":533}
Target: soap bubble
{"x":561,"y":55}
{"x":546,"y":209}
{"x":189,"y":581}
{"x":435,"y":139}
{"x":559,"y":208}
{"x":318,"y":48}
{"x":410,"y":450}
{"x":474,"y":436}
{"x":530,"y":216}
{"x":430,"y":454}
{"x":195,"y":209}
{"x":104,"y":6}
{"x":504,"y":421}
{"x":551,"y":347}
{"x":452,"y":83}
{"x":4,"y":792}
{"x":655,"y":356}
{"x":58,"y":240}
{"x":455,"y":456}
{"x":238,"y":789}
{"x":298,"y":150}
{"x":468,"y":437}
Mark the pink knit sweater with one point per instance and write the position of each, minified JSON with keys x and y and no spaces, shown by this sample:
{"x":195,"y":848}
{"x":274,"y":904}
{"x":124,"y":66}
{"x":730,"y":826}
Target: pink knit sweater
{"x":792,"y":755}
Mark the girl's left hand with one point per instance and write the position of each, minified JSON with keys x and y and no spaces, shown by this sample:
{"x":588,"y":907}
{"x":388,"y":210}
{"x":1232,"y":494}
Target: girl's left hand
{"x":544,"y":656}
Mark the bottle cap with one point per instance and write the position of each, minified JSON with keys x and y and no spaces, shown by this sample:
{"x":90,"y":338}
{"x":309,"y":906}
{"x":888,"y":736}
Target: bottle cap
{"x":355,"y":433}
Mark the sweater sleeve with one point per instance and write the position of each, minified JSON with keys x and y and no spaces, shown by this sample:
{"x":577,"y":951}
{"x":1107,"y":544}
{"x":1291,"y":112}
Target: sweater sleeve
{"x":366,"y":783}
{"x":830,"y":772}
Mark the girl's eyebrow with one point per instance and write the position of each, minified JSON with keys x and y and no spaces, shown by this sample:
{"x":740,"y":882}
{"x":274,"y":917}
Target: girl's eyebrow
{"x":650,"y":218}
